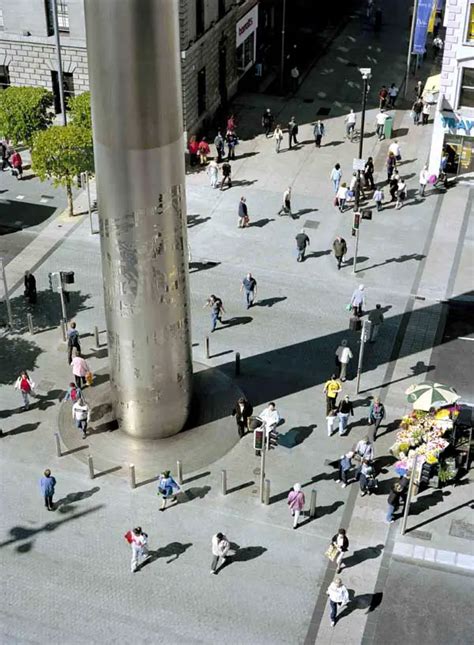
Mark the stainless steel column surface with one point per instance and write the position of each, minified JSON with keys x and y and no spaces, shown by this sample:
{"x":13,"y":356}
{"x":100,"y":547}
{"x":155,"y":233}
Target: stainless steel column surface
{"x":134,"y":67}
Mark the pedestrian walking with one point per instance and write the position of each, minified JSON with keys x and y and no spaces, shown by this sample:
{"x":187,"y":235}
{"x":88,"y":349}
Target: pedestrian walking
{"x":30,"y":287}
{"x":81,"y":415}
{"x":437,"y":46}
{"x":243,"y":213}
{"x":217,"y":309}
{"x":331,"y":419}
{"x":391,"y":164}
{"x":355,"y":185}
{"x":383,"y":96}
{"x":416,"y":110}
{"x":47,"y":485}
{"x":286,"y":208}
{"x":138,"y":540}
{"x":401,"y":194}
{"x":418,"y":90}
{"x":5,"y":155}
{"x":249,"y":285}
{"x":378,"y":198}
{"x":193,"y":149}
{"x":377,"y":320}
{"x":344,"y":410}
{"x":369,"y":174}
{"x":366,"y":477}
{"x":336,"y":175}
{"x":267,"y":122}
{"x":339,"y":248}
{"x":231,"y":124}
{"x":393,"y":186}
{"x":242,"y":412}
{"x":350,"y":121}
{"x":395,"y":148}
{"x":232,"y":141}
{"x":423,"y":179}
{"x":226,"y":174}
{"x":292,"y":132}
{"x":302,"y":241}
{"x":278,"y":136}
{"x":332,"y":387}
{"x":376,"y":415}
{"x":167,"y":488}
{"x":16,"y":163}
{"x":341,"y":542}
{"x":392,"y":95}
{"x":343,"y":356}
{"x":295,"y":78}
{"x":80,"y":368}
{"x":358,"y":300}
{"x":73,"y":393}
{"x":213,"y":172}
{"x":220,"y":546}
{"x":318,"y":132}
{"x":220,"y":146}
{"x":296,"y":502}
{"x":73,"y":341}
{"x":425,"y":113}
{"x":26,"y":387}
{"x":393,"y":501}
{"x":345,"y":464}
{"x":338,"y":597}
{"x":203,"y":151}
{"x":341,"y":196}
{"x":363,"y":450}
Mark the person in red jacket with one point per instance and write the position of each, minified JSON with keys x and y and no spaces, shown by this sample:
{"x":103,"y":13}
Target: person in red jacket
{"x":193,"y":147}
{"x":17,"y":164}
{"x":204,"y":151}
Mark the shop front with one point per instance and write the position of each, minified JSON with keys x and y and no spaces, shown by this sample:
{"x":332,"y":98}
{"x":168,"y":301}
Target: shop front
{"x":245,"y":40}
{"x":458,"y":144}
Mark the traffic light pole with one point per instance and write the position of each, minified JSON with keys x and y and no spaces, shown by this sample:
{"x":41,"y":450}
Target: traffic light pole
{"x":6,"y":296}
{"x":262,"y":468}
{"x":363,"y":337}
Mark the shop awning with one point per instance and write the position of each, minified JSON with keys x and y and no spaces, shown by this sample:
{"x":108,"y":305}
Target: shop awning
{"x":431,"y":89}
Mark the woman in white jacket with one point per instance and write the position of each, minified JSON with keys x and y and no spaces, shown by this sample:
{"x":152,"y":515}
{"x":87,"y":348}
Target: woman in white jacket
{"x":220,"y":549}
{"x":338,"y":596}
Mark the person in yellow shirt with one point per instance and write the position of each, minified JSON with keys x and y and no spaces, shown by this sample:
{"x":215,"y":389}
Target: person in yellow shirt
{"x":331,"y":390}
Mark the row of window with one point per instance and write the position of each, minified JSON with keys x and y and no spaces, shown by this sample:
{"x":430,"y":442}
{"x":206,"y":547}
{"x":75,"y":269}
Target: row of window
{"x":68,"y":85}
{"x":200,"y":15}
{"x":63,"y":16}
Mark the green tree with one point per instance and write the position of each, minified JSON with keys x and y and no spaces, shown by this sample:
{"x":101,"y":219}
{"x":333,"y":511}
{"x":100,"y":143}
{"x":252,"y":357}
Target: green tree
{"x":24,"y":111}
{"x":80,"y":110}
{"x":61,"y":153}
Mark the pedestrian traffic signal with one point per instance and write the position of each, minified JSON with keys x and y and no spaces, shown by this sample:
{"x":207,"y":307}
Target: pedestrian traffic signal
{"x":367,"y":214}
{"x":258,"y":438}
{"x":356,"y":223}
{"x":272,"y":440}
{"x":50,"y":278}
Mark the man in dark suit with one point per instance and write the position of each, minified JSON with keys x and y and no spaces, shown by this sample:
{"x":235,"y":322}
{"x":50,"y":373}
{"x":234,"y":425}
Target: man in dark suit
{"x":242,"y":411}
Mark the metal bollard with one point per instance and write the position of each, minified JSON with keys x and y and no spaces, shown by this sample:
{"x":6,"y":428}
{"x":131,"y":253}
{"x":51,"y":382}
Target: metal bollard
{"x":237,"y":363}
{"x":91,"y":467}
{"x":266,"y":492}
{"x":63,"y":329}
{"x":312,"y":504}
{"x":224,"y":482}
{"x":206,"y":342}
{"x":179,"y":469}
{"x":96,"y":336}
{"x":133,"y":482}
{"x":31,"y":329}
{"x":58,"y":444}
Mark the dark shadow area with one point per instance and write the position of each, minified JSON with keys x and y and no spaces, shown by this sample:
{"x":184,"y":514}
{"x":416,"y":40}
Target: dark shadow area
{"x":360,"y":258}
{"x":244,"y":182}
{"x":109,"y":471}
{"x":361,"y":555}
{"x":324,"y":476}
{"x":194,"y":267}
{"x":332,"y":144}
{"x":71,"y":498}
{"x":100,"y":411}
{"x":172,"y":551}
{"x":260,"y":223}
{"x":26,"y":427}
{"x":402,"y":258}
{"x":437,"y":517}
{"x":195,"y":220}
{"x":417,"y":370}
{"x":74,"y":450}
{"x":236,"y":320}
{"x":305,"y":211}
{"x":147,"y":481}
{"x":188,"y":480}
{"x":424,"y":502}
{"x":244,"y":155}
{"x":322,"y":511}
{"x":242,"y":554}
{"x":234,"y":489}
{"x":101,"y":378}
{"x":16,"y":354}
{"x":18,"y":215}
{"x":108,"y":426}
{"x":401,"y":132}
{"x":269,"y":302}
{"x":369,"y":601}
{"x":317,"y":254}
{"x":280,"y":496}
{"x":295,"y":436}
{"x":227,"y":351}
{"x":197,"y":492}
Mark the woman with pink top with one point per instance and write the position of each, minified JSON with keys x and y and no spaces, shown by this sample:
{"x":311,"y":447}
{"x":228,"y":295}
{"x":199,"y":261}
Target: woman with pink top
{"x":296,"y":503}
{"x":79,"y":368}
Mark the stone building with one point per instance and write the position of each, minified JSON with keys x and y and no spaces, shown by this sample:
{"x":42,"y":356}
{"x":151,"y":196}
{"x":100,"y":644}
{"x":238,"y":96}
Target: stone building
{"x":218,"y":48}
{"x":453,"y":132}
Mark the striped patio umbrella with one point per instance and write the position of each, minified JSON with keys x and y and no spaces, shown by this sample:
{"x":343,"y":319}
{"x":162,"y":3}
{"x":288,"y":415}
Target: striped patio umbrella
{"x":431,"y":395}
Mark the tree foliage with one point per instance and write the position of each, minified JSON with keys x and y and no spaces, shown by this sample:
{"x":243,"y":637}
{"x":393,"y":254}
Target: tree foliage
{"x":24,"y":111}
{"x":80,"y":110}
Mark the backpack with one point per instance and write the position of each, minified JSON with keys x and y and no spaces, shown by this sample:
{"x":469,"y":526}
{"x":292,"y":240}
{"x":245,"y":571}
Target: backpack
{"x":74,"y":394}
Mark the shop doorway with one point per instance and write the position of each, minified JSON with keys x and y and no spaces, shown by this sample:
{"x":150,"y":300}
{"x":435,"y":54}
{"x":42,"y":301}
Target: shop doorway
{"x":68,"y":84}
{"x":460,"y":151}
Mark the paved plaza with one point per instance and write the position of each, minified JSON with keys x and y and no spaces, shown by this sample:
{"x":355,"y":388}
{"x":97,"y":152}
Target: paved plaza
{"x":66,"y":575}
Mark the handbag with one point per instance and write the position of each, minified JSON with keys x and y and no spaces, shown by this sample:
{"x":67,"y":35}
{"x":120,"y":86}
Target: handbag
{"x":349,"y":307}
{"x":89,"y":378}
{"x":332,"y":552}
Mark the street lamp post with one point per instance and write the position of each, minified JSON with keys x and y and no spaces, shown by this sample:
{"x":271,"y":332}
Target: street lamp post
{"x":366,"y":73}
{"x":282,"y":63}
{"x":410,"y":44}
{"x":60,"y":63}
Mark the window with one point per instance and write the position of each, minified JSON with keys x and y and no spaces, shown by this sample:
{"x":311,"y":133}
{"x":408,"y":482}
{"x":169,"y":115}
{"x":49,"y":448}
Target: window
{"x":2,"y":24}
{"x":4,"y":77}
{"x":63,"y":15}
{"x":201,"y":91}
{"x":470,"y":24}
{"x":221,"y":9}
{"x":246,"y":53}
{"x":68,"y":85}
{"x":466,"y":96}
{"x":199,"y":17}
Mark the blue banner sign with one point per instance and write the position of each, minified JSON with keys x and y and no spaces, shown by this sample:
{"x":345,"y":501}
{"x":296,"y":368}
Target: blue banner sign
{"x":423,"y":14}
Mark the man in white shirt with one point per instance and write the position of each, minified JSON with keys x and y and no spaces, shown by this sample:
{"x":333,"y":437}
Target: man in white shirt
{"x":394,"y":147}
{"x":270,"y":418}
{"x":392,"y":95}
{"x":350,"y":122}
{"x":81,"y":414}
{"x":380,"y":124}
{"x":344,"y":355}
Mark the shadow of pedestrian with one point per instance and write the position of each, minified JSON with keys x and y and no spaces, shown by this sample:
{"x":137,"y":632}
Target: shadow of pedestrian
{"x":172,"y":550}
{"x":242,"y":554}
{"x":321,"y":511}
{"x":269,"y":302}
{"x":26,"y":427}
{"x":194,"y":267}
{"x":260,"y":223}
{"x":62,"y":505}
{"x":317,"y":254}
{"x":236,"y":320}
{"x":195,"y":220}
{"x":196,"y":492}
{"x":369,"y":601}
{"x":295,"y":436}
{"x":361,"y":555}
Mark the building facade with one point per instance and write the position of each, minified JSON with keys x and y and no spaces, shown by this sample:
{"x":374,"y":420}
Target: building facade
{"x":218,"y":48}
{"x":453,"y":132}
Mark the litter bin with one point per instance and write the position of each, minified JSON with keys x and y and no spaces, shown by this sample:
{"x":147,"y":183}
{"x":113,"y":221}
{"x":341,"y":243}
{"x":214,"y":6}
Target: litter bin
{"x":388,"y":127}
